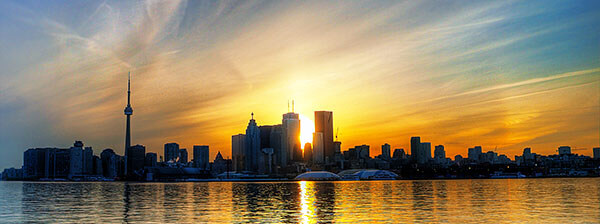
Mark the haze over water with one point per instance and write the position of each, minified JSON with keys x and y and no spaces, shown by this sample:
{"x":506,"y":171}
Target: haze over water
{"x":560,"y":200}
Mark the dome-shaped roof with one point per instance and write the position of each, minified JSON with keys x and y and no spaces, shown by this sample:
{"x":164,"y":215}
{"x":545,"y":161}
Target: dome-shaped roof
{"x":367,"y":174}
{"x":318,"y":175}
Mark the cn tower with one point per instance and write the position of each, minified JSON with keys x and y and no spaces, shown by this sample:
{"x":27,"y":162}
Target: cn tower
{"x":128,"y":113}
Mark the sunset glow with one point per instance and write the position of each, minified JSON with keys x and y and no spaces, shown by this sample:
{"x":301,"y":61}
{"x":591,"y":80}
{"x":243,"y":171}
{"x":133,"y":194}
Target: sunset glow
{"x":307,"y":128}
{"x":504,"y":75}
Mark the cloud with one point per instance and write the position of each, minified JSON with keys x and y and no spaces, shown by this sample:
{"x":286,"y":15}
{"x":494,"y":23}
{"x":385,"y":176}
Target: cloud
{"x":453,"y":72}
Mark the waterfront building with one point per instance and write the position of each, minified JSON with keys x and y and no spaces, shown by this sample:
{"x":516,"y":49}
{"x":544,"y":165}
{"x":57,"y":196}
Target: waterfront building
{"x":308,"y":152}
{"x":475,"y":153}
{"x":136,"y":159}
{"x":275,"y":142}
{"x":363,"y":151}
{"x":76,"y":165}
{"x":415,"y":149}
{"x":201,"y":157}
{"x":324,"y":124}
{"x":386,"y":150}
{"x":252,"y":148}
{"x":439,"y":154}
{"x":399,"y":154}
{"x":97,"y":166}
{"x":219,"y":165}
{"x":88,"y":161}
{"x":183,"y":156}
{"x":110,"y":163}
{"x":291,"y":139}
{"x":458,"y":159}
{"x":151,"y":160}
{"x":12,"y":174}
{"x":425,"y":154}
{"x":318,"y":152}
{"x":33,"y":164}
{"x":337,"y":151}
{"x":238,"y":145}
{"x":564,"y":150}
{"x":265,"y":136}
{"x":527,"y":155}
{"x":171,"y":152}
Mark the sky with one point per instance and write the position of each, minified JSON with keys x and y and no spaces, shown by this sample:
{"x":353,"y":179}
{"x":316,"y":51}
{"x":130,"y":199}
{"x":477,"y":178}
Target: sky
{"x":501,"y":74}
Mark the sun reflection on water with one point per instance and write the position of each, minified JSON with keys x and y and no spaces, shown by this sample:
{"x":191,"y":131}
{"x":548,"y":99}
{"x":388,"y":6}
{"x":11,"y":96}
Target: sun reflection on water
{"x":307,"y":205}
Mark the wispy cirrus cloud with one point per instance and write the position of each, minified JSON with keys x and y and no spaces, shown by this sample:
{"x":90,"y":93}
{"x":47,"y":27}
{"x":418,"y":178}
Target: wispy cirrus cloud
{"x":456,"y":73}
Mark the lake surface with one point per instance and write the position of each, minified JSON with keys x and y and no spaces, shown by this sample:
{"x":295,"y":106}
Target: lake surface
{"x":559,"y":200}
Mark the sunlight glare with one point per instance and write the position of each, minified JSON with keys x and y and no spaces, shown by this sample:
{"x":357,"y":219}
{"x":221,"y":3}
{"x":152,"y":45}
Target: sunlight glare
{"x":307,"y":128}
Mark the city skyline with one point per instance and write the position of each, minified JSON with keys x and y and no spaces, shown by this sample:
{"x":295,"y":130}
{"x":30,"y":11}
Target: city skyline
{"x":459,"y":82}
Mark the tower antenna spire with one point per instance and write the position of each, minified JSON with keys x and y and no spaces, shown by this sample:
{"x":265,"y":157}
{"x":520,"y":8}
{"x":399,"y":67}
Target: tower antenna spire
{"x":288,"y":106}
{"x":292,"y":106}
{"x":128,"y":88}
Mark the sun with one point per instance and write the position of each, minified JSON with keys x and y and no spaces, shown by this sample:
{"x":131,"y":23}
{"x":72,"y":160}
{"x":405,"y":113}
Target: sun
{"x":307,"y":128}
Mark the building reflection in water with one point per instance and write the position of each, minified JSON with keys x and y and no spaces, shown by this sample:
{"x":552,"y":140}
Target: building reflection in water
{"x":456,"y":201}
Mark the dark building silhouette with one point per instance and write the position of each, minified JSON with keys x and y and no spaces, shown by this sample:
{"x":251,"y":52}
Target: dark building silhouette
{"x":415,"y":148}
{"x":183,"y":156}
{"x":201,"y":153}
{"x":34,"y":163}
{"x":308,"y":154}
{"x":265,"y":136}
{"x":110,"y":163}
{"x":238,"y":150}
{"x":291,"y":145}
{"x":324,"y":124}
{"x":171,"y":152}
{"x":136,"y":159}
{"x":97,"y":166}
{"x":151,"y":159}
{"x":275,"y":142}
{"x":399,"y":154}
{"x":439,"y":153}
{"x":252,"y":148}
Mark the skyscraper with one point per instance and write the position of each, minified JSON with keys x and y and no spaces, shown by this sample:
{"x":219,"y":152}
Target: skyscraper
{"x":252,"y":148}
{"x":596,"y":153}
{"x":399,"y":154}
{"x":318,"y":151}
{"x":201,"y":153}
{"x":238,"y":148}
{"x":564,"y":150}
{"x":386,"y":150}
{"x":183,"y":156}
{"x":291,"y":138}
{"x":136,"y":160}
{"x":128,"y":112}
{"x":151,"y":159}
{"x":307,"y":152}
{"x":76,"y":164}
{"x":474,"y":153}
{"x":439,"y":153}
{"x":276,"y":143}
{"x":415,"y":148}
{"x":171,"y":152}
{"x":324,"y":124}
{"x":110,"y":162}
{"x":425,"y":152}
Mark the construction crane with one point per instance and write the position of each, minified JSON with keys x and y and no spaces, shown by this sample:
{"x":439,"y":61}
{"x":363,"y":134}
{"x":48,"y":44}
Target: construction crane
{"x":336,"y":133}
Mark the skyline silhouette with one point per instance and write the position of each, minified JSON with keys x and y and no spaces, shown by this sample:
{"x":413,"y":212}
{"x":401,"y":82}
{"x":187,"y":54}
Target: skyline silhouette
{"x":501,"y":75}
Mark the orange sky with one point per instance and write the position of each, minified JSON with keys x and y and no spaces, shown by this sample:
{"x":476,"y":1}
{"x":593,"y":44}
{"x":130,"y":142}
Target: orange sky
{"x":497,"y":74}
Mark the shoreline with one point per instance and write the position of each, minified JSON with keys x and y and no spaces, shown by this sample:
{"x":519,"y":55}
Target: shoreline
{"x":283,"y":180}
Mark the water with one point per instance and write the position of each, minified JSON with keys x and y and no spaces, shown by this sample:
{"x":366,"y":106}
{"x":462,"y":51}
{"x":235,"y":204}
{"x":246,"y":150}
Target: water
{"x":565,"y":200}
